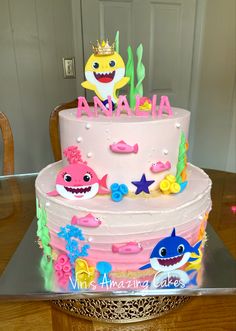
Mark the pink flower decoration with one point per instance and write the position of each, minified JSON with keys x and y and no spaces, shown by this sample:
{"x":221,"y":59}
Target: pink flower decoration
{"x":62,"y":269}
{"x":73,"y":155}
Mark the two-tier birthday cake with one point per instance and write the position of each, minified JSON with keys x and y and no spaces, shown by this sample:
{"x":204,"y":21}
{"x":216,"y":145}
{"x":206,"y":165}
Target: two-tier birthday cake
{"x":123,"y":201}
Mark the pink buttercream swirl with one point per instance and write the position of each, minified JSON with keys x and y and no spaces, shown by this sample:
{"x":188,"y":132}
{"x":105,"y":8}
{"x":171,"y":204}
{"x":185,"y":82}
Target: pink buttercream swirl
{"x":73,"y":155}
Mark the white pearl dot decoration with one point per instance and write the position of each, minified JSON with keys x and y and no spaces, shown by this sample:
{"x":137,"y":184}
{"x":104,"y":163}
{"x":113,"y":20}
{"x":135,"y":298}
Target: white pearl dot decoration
{"x":178,"y":125}
{"x":90,"y":239}
{"x":79,"y":139}
{"x":165,"y":151}
{"x":88,"y":126}
{"x":89,"y":154}
{"x":47,"y":204}
{"x":201,"y":217}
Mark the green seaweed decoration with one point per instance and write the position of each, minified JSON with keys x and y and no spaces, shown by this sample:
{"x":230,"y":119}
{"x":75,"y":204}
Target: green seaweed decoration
{"x":181,"y":159}
{"x":46,"y":267}
{"x":117,"y":41}
{"x":140,"y":71}
{"x":130,"y":74}
{"x":42,"y":231}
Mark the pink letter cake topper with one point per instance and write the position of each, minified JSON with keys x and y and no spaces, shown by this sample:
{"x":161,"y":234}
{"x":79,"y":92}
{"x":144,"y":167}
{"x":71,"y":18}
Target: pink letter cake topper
{"x":77,"y":180}
{"x":164,"y":103}
{"x":107,"y":110}
{"x":83,"y":106}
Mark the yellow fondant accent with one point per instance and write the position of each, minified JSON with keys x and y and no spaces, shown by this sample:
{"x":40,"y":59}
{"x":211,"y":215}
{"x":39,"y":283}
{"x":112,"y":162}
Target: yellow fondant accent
{"x":169,"y":185}
{"x":165,"y":186}
{"x":121,"y":83}
{"x":171,"y":178}
{"x":87,"y":85}
{"x":83,"y":273}
{"x":145,"y":106}
{"x":174,"y":188}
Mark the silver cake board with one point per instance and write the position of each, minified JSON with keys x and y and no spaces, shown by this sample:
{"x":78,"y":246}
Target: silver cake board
{"x":23,"y":279}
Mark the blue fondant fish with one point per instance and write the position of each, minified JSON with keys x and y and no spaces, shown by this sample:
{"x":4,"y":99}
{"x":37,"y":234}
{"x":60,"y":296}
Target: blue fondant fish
{"x":171,"y":253}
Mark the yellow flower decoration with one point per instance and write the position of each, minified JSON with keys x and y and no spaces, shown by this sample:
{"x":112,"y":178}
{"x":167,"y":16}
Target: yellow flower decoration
{"x":83,"y":273}
{"x":165,"y":186}
{"x":145,"y":106}
{"x":171,"y":178}
{"x":169,"y":185}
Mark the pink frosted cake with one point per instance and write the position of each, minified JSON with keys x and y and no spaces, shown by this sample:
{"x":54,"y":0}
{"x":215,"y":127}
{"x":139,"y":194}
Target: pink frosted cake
{"x":123,"y":200}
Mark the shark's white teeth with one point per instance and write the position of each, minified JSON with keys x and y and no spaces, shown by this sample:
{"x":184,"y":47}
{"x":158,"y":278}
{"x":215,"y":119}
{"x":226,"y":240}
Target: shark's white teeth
{"x":105,"y":73}
{"x":75,"y":187}
{"x":79,"y":192}
{"x":170,"y":261}
{"x":78,"y":189}
{"x":104,"y":77}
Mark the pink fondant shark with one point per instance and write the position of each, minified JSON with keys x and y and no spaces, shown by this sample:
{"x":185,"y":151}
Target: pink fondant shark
{"x":78,"y":181}
{"x":88,"y":220}
{"x":160,"y":166}
{"x":129,"y":248}
{"x":122,"y":147}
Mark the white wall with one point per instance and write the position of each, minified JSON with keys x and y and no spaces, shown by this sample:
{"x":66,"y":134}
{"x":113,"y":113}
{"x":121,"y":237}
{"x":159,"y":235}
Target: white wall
{"x":213,"y":132}
{"x":34,"y":36}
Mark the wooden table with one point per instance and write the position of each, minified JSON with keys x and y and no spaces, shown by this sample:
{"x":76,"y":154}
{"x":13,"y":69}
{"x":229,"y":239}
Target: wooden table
{"x":17,"y":209}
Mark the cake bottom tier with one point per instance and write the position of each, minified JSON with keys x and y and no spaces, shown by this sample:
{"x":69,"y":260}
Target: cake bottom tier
{"x":126,"y":233}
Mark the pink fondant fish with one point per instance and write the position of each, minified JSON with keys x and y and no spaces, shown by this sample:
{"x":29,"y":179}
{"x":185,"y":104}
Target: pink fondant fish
{"x":78,"y":181}
{"x":88,"y":220}
{"x":122,"y":147}
{"x":129,"y":248}
{"x":160,"y":166}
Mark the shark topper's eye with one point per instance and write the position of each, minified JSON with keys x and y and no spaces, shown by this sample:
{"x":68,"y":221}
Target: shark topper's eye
{"x":95,"y":65}
{"x":112,"y":63}
{"x":162,"y":251}
{"x":87,"y":177}
{"x":180,"y":249}
{"x":67,"y":178}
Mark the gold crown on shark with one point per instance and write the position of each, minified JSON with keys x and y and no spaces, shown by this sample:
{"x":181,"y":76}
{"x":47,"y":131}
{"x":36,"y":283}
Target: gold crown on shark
{"x":103,"y":48}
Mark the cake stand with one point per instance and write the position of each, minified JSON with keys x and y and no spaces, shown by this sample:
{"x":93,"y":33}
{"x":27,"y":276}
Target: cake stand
{"x":23,"y":279}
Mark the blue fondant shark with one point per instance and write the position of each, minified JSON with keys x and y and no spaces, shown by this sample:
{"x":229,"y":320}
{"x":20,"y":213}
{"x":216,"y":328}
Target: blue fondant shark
{"x":171,"y":253}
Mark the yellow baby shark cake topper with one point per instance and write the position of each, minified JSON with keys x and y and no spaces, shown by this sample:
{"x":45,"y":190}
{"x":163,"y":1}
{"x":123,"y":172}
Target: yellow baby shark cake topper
{"x":105,"y":72}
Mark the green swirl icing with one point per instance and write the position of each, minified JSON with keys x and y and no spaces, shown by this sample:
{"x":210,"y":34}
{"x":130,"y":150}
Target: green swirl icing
{"x":117,"y":43}
{"x":138,"y":90}
{"x":140,"y":71}
{"x":130,"y":74}
{"x":181,"y":158}
{"x":42,"y":231}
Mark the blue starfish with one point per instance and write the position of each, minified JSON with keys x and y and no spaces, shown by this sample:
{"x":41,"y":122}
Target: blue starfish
{"x":143,"y":184}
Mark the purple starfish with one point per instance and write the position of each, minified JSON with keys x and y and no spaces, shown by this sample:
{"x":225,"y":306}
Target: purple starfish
{"x":143,"y":184}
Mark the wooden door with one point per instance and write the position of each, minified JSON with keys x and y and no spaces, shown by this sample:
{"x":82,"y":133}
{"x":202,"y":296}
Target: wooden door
{"x":164,"y":27}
